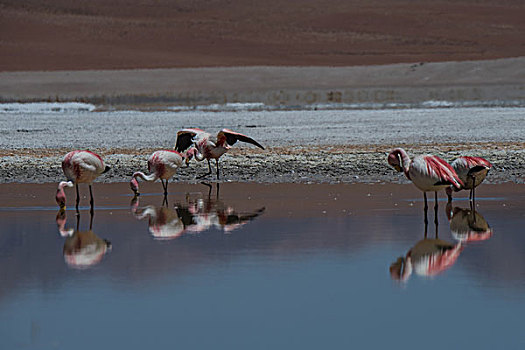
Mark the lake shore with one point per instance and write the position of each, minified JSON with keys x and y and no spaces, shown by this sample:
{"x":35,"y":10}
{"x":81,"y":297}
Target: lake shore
{"x":473,"y":83}
{"x":326,"y":146}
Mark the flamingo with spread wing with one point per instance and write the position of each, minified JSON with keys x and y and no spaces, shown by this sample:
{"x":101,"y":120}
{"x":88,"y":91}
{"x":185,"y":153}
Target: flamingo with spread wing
{"x":209,"y":147}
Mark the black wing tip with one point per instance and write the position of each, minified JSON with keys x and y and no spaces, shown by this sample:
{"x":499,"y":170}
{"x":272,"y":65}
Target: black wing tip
{"x":106,"y":169}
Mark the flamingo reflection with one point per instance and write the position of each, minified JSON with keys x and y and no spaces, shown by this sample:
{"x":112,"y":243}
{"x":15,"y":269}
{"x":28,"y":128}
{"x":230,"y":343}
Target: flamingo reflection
{"x":467,"y":225}
{"x":82,"y":249}
{"x":163,"y":222}
{"x":428,"y":257}
{"x":196,"y":215}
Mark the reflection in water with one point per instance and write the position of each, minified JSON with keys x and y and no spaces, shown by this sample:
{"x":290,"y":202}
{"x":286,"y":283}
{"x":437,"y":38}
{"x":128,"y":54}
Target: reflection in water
{"x":467,"y":225}
{"x":82,"y":249}
{"x":428,"y":257}
{"x":163,"y":222}
{"x":196,"y":215}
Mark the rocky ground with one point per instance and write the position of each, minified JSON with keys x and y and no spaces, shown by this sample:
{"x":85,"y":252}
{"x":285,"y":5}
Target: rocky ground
{"x":326,"y":164}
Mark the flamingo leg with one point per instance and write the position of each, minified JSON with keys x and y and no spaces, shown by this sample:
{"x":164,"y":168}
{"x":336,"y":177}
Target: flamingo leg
{"x":209,"y":188}
{"x":91,"y":201}
{"x":217,"y":165}
{"x":425,"y":209}
{"x":78,"y":218}
{"x":472,"y":194}
{"x":426,"y":223}
{"x":436,"y":210}
{"x":78,"y":200}
{"x":92,"y":214}
{"x":163,"y":186}
{"x":208,"y":173}
{"x":166,"y":188}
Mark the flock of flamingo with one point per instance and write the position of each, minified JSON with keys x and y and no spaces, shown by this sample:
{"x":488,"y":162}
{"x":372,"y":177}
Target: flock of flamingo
{"x":428,"y":173}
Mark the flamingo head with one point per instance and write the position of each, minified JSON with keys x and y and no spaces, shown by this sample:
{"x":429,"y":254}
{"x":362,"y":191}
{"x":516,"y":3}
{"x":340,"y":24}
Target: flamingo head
{"x":134,"y":185}
{"x":401,"y":269}
{"x":190,"y":154}
{"x":394,"y":161}
{"x":61,"y":195}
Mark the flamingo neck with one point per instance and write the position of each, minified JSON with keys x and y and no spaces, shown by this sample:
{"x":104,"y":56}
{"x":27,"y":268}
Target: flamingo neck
{"x":150,"y":177}
{"x":199,"y":156}
{"x":61,"y":194}
{"x":404,"y":159}
{"x":146,"y":212}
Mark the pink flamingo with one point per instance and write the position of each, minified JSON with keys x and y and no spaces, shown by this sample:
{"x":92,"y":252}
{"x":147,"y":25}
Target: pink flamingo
{"x":467,"y":225}
{"x":471,"y":171}
{"x":208,"y":147}
{"x":427,"y":172}
{"x":428,"y":257}
{"x":162,"y":165}
{"x":61,"y":195}
{"x":80,"y":167}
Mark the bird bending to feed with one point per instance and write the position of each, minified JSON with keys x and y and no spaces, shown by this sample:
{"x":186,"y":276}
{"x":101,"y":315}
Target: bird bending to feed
{"x":427,"y":257}
{"x":208,"y":147}
{"x":467,"y":225}
{"x":80,"y":167}
{"x":161,"y":165}
{"x":61,"y":195}
{"x":471,"y":171}
{"x":427,"y":172}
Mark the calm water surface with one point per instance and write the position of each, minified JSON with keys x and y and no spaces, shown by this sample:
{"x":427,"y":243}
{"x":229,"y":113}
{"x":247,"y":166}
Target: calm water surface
{"x":261,"y":266}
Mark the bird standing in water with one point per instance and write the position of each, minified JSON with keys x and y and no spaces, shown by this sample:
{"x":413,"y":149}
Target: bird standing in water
{"x":427,"y":172}
{"x":208,"y":147}
{"x":80,"y":167}
{"x":162,"y":165}
{"x":471,"y":171}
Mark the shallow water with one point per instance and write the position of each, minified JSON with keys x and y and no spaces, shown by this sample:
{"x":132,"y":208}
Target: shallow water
{"x":262,"y":266}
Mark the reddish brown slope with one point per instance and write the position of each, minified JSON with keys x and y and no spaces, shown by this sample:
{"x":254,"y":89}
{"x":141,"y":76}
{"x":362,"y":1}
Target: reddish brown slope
{"x":100,"y":34}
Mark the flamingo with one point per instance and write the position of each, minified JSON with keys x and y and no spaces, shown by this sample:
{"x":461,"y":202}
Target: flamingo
{"x":82,"y":249}
{"x":427,"y":172}
{"x":61,"y":195}
{"x":428,"y":257}
{"x":471,"y":171}
{"x":210,"y":212}
{"x":162,"y":165}
{"x":208,"y":147}
{"x":80,"y":167}
{"x":467,"y":225}
{"x":164,"y":223}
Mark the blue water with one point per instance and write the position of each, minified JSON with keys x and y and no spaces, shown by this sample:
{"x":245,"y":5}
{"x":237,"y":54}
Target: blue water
{"x":302,"y":279}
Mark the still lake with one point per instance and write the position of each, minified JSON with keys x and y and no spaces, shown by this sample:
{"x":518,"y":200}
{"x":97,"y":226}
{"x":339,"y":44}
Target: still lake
{"x":261,"y":266}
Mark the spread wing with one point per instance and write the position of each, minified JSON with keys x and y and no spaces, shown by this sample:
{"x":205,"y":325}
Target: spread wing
{"x":232,"y":137}
{"x":185,"y":139}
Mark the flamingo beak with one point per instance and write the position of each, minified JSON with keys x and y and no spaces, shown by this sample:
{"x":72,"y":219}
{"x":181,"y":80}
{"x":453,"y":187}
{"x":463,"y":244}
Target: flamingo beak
{"x":398,"y":168}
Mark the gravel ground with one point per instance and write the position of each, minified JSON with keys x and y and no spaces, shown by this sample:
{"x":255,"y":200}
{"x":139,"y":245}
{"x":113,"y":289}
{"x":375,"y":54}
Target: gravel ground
{"x":302,"y":146}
